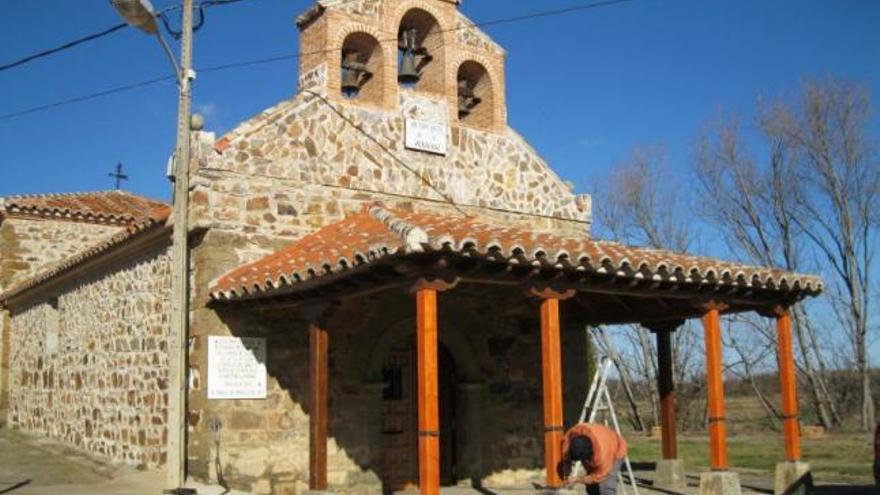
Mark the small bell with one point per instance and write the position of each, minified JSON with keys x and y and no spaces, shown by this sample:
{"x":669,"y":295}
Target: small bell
{"x":408,"y":73}
{"x":353,"y":74}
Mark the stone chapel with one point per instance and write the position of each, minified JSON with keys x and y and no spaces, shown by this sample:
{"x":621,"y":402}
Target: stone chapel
{"x":412,"y":277}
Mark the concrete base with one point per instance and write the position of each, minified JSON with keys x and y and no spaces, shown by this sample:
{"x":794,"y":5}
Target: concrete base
{"x":719,"y":483}
{"x":317,"y":492}
{"x":557,"y":491}
{"x":793,"y":478}
{"x":669,"y":474}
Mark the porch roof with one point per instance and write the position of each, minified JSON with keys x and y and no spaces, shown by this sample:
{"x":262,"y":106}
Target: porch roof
{"x":378,"y":236}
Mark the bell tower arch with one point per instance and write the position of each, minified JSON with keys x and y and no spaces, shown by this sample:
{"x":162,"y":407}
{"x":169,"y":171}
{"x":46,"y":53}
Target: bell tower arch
{"x":380,"y":53}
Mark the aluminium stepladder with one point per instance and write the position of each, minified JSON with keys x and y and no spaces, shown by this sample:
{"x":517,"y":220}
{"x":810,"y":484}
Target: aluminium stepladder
{"x":599,"y":400}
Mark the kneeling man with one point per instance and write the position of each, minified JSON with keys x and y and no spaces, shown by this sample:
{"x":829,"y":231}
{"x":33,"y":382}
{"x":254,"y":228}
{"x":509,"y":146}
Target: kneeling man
{"x":600,"y":451}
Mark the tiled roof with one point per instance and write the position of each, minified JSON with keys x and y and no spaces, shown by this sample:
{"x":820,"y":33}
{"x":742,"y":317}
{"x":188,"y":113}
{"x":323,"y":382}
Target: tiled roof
{"x":379,"y":234}
{"x":135,"y":214}
{"x":106,"y":207}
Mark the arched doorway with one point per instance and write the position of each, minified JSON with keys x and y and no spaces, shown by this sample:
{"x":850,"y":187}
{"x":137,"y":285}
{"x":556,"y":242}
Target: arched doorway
{"x":400,"y":418}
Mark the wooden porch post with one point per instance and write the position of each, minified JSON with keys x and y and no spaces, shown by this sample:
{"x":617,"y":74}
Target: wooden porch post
{"x":665,"y":384}
{"x":669,"y":471}
{"x":715,"y":386}
{"x":429,"y":423}
{"x":318,"y":351}
{"x":788,"y":385}
{"x":319,"y":347}
{"x":551,"y":374}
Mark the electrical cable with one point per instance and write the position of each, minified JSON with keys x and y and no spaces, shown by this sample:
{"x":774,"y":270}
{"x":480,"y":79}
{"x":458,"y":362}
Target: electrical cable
{"x":118,"y":89}
{"x":277,"y":58}
{"x":384,"y":148}
{"x":70,"y":44}
{"x":100,"y":34}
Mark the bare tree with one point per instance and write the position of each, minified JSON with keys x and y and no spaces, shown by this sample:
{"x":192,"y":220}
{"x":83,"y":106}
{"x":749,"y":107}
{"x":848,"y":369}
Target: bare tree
{"x":637,"y":209}
{"x":839,"y":203}
{"x":753,"y":209}
{"x":610,"y":350}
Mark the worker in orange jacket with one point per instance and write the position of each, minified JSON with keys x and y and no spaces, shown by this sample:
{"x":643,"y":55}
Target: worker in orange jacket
{"x":600,"y":451}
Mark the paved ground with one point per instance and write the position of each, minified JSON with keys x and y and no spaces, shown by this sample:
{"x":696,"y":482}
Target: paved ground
{"x":34,"y":466}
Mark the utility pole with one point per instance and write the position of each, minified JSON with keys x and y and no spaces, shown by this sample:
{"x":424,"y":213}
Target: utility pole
{"x":177,"y":339}
{"x":140,"y":13}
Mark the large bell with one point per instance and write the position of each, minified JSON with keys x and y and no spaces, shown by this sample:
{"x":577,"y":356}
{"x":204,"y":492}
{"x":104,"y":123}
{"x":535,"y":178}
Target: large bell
{"x":407,"y":73}
{"x":350,"y":81}
{"x":354,"y":74}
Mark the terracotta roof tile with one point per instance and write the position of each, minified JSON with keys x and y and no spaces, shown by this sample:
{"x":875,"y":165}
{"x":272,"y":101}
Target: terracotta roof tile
{"x":135,"y":214}
{"x":106,"y":207}
{"x":378,"y":234}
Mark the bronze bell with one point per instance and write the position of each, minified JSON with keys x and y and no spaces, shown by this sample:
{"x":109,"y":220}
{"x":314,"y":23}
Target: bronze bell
{"x":353,"y":73}
{"x":408,"y":73}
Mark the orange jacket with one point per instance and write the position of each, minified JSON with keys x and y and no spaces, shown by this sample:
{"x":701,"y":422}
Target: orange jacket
{"x":608,"y":448}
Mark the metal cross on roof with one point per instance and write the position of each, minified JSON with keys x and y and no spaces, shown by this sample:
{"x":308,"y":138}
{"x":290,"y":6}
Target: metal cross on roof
{"x":118,"y":175}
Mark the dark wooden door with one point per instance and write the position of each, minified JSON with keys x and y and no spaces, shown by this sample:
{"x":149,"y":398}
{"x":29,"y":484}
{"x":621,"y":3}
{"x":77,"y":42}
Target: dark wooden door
{"x":400,"y":418}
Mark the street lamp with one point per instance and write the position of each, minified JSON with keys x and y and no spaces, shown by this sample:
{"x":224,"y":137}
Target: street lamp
{"x":140,"y":13}
{"x":137,"y":13}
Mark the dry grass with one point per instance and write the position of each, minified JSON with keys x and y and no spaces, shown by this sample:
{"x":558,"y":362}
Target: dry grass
{"x":845,"y":457}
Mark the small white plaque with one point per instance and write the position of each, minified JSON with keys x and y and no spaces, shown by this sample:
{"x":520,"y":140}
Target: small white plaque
{"x":236,"y":368}
{"x":427,"y":136}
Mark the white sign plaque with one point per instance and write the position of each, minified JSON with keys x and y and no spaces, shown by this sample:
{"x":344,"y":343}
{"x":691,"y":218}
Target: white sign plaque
{"x":236,"y":368}
{"x":427,"y":136}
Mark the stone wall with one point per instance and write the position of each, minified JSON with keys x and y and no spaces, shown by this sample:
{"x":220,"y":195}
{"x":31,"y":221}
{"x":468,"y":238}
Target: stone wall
{"x":29,"y":244}
{"x":90,"y":368}
{"x":493,"y":338}
{"x":4,"y":364}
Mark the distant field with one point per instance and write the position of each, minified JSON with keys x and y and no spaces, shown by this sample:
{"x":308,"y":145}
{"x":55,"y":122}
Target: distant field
{"x":845,"y":457}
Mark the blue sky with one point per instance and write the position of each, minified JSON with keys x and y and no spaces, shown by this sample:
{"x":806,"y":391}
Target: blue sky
{"x":583,"y":88}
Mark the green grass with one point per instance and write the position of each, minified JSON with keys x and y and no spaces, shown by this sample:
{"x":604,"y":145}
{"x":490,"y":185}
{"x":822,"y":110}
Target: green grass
{"x":833,"y":458}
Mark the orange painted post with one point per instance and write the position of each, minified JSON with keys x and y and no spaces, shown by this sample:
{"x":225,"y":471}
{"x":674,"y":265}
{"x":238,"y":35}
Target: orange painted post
{"x":789,"y":386}
{"x":429,"y":422}
{"x":318,"y":350}
{"x":551,"y":360}
{"x":715,"y":386}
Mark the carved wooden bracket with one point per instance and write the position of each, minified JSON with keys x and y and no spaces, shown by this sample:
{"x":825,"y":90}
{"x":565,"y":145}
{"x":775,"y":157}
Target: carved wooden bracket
{"x":547,"y":291}
{"x":317,"y":312}
{"x":439,"y":283}
{"x":662,"y":325}
{"x":714,"y":304}
{"x":776,"y":311}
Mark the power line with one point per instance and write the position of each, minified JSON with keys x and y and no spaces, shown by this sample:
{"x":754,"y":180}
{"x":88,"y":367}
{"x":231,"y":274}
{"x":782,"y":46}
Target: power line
{"x":384,"y":148}
{"x":278,"y":58}
{"x":494,"y":22}
{"x":68,"y":45}
{"x":118,"y":89}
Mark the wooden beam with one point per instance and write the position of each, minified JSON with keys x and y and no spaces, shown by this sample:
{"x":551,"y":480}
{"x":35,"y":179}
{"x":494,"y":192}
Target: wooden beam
{"x":788,"y":385}
{"x":318,"y":355}
{"x":551,"y":373}
{"x":428,"y":401}
{"x":715,"y":386}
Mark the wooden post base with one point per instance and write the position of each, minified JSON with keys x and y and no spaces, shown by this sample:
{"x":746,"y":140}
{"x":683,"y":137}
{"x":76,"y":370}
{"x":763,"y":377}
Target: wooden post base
{"x":720,"y":483}
{"x":793,"y":478}
{"x":669,"y":474}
